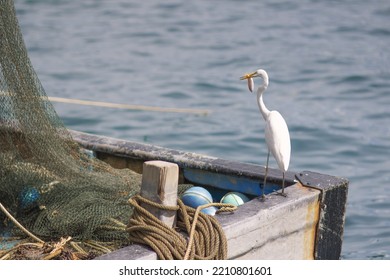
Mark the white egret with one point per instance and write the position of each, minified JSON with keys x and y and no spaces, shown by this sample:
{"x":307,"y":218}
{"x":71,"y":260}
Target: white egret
{"x":277,"y":135}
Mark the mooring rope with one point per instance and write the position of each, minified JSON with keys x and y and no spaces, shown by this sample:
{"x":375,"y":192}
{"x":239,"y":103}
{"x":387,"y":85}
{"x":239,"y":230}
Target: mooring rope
{"x":128,"y":106}
{"x":206,"y":240}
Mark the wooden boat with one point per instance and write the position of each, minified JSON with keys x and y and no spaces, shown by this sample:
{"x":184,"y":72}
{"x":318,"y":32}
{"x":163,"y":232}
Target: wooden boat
{"x":307,"y":224}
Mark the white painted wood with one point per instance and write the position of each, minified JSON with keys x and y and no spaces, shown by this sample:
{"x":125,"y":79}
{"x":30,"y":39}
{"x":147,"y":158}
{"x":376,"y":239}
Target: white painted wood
{"x":282,"y":228}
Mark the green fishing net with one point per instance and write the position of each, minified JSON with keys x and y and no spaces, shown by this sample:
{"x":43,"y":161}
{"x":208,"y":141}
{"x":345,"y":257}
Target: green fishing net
{"x":50,"y":184}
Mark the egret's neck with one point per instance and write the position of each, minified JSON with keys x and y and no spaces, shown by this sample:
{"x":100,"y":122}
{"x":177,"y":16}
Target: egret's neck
{"x":263,"y":109}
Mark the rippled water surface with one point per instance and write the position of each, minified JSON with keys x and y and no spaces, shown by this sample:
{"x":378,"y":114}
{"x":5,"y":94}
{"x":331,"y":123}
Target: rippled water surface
{"x":329,"y":68}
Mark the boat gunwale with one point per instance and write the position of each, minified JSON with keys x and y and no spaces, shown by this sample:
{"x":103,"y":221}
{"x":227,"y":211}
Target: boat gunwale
{"x":185,"y":160}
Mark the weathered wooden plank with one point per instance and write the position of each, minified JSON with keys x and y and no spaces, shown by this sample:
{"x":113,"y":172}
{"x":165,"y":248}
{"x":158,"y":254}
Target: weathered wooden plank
{"x":185,"y":160}
{"x":134,"y":164}
{"x":160,"y":185}
{"x":279,"y":228}
{"x":334,"y":191}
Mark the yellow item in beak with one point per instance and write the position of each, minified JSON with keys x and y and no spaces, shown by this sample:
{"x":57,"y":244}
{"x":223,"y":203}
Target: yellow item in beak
{"x":251,"y":83}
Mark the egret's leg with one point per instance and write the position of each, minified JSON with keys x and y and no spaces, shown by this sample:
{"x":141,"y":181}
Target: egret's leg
{"x":265,"y":176}
{"x":282,"y":193}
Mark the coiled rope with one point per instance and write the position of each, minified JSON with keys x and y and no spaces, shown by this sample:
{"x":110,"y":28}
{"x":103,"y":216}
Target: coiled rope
{"x":206,"y":240}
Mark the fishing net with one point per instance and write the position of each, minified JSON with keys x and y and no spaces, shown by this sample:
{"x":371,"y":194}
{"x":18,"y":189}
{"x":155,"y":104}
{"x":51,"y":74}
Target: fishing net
{"x":51,"y":185}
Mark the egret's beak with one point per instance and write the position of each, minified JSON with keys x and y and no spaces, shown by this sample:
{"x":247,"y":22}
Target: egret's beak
{"x":247,"y":76}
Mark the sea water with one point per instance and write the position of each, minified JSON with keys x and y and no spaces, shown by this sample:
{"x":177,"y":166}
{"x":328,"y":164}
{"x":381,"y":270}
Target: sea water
{"x":328,"y":64}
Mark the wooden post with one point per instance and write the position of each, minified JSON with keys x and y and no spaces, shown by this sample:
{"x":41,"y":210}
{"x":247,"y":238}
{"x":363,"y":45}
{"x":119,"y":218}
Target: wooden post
{"x":160,"y":184}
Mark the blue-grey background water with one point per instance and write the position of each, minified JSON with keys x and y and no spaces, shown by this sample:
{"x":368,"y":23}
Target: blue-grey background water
{"x":329,"y":68}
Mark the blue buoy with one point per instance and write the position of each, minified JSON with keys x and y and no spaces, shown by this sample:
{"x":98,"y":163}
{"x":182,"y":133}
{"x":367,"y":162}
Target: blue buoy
{"x":210,"y":210}
{"x":197,"y":196}
{"x":28,"y":197}
{"x":235,"y":198}
{"x":90,"y":155}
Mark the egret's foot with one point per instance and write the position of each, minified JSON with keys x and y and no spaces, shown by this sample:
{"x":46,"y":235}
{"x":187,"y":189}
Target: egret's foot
{"x":262,"y":198}
{"x":282,"y":194}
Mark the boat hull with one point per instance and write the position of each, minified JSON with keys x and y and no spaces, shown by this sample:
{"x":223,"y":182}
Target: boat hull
{"x":307,"y":224}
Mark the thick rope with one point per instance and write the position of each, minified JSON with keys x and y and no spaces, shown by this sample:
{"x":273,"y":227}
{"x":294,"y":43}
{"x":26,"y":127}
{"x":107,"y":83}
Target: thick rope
{"x":206,"y":240}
